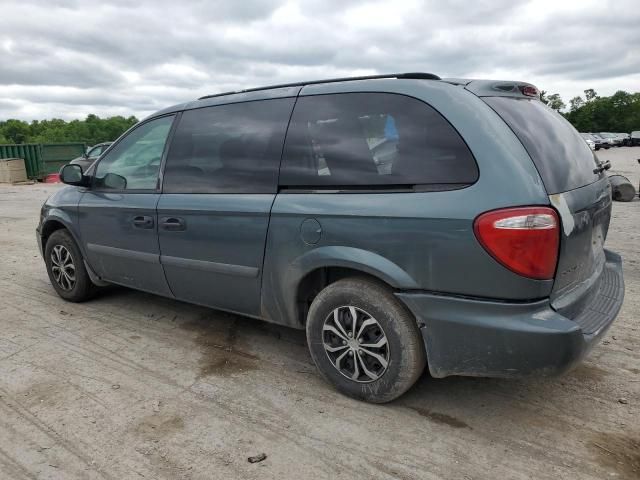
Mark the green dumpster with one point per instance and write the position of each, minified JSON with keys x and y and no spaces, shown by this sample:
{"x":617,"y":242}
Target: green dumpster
{"x":43,"y":159}
{"x":30,"y":152}
{"x":55,"y":155}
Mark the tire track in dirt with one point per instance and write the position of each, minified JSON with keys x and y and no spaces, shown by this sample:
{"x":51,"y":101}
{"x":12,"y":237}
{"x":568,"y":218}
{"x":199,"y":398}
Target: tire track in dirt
{"x":56,"y":438}
{"x":13,"y":468}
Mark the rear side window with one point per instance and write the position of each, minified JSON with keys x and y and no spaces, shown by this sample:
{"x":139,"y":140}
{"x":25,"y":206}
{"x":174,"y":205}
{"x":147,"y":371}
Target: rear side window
{"x":361,"y":139}
{"x":95,"y":151}
{"x":231,"y":148}
{"x":562,"y":157}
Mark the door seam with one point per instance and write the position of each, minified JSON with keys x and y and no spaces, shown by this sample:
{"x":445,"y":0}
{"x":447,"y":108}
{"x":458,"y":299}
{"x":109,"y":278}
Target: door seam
{"x":156,"y":229}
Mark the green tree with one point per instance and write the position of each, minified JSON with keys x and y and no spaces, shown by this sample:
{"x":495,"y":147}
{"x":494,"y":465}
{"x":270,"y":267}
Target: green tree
{"x":91,"y":130}
{"x":543,"y":97}
{"x":590,"y":94}
{"x":16,"y":131}
{"x":575,"y":103}
{"x":555,"y":102}
{"x":617,"y":113}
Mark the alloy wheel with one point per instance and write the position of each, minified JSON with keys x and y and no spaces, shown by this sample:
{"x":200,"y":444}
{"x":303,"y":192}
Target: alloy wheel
{"x":356,"y":344}
{"x":63,"y":268}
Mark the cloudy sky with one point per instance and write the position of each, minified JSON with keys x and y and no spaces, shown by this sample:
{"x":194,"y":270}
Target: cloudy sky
{"x":68,"y":58}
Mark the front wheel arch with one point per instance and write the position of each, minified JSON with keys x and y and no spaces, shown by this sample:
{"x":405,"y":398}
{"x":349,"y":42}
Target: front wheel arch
{"x":47,"y":229}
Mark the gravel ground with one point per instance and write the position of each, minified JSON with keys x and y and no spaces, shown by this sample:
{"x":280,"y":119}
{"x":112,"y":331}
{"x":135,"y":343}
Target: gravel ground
{"x":136,"y":386}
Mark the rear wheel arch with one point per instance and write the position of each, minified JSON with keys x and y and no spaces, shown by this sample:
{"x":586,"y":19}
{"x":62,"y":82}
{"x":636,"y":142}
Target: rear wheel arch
{"x":318,"y":279}
{"x":310,"y":273}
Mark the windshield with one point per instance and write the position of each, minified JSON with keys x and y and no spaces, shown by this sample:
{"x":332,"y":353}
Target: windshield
{"x":562,"y":157}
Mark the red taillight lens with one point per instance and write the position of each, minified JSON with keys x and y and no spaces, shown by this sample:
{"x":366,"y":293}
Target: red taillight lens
{"x":523,"y":239}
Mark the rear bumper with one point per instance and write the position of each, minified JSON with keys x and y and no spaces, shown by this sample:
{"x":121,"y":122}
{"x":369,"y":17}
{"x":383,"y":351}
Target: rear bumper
{"x":495,"y":339}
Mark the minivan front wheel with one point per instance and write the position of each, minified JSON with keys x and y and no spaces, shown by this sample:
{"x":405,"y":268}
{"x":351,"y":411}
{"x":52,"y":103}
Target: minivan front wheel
{"x":364,"y":341}
{"x":65,"y":267}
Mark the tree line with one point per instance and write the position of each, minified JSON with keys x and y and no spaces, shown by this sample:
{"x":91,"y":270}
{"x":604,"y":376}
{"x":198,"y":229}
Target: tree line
{"x":91,"y":130}
{"x":619,"y":113}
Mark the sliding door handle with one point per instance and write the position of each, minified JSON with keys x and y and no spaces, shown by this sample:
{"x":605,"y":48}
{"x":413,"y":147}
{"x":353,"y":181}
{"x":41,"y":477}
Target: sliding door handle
{"x":173,"y":224}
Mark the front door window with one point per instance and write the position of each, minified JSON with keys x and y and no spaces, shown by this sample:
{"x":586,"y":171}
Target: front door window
{"x":134,"y":163}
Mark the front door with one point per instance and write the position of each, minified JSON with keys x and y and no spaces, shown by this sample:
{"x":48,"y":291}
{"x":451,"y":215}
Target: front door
{"x":117,"y":215}
{"x":219,"y":185}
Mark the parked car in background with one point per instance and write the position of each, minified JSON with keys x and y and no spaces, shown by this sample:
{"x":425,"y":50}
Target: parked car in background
{"x":91,"y":155}
{"x":402,"y":220}
{"x":626,"y":139}
{"x":634,"y":138}
{"x":601,"y":142}
{"x":590,"y":141}
{"x":613,"y":138}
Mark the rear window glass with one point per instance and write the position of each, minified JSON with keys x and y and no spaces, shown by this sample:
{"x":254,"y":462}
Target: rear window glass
{"x":361,"y":139}
{"x":562,"y":157}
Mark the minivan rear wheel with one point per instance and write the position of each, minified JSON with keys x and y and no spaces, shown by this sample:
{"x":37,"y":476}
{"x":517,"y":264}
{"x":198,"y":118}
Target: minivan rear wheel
{"x":364,"y":341}
{"x":65,"y":266}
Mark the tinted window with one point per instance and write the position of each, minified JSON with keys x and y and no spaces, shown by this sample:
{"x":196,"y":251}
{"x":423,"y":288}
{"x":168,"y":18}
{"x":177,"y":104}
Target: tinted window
{"x":232,"y":148}
{"x":357,"y":139}
{"x":94,"y":152}
{"x":563,"y":159}
{"x":134,"y":163}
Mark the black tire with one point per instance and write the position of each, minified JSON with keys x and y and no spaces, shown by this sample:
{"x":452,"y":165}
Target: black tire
{"x":371,"y":300}
{"x":81,"y":288}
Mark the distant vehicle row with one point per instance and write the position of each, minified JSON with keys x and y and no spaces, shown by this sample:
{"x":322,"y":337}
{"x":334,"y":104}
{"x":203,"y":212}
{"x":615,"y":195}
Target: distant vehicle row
{"x":605,"y":140}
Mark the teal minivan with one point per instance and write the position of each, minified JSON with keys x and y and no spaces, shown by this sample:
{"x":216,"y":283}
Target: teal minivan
{"x":402,"y":220}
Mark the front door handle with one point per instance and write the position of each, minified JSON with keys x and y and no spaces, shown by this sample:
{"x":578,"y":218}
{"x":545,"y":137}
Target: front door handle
{"x":143,"y":221}
{"x":173,"y":224}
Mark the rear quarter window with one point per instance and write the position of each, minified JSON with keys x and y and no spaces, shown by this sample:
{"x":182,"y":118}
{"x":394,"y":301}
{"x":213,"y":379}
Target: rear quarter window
{"x":373,"y":139}
{"x":562,"y":157}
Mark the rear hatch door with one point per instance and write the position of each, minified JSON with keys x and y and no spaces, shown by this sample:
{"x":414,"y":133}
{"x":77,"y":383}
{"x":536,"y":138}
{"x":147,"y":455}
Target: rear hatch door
{"x":577,"y":189}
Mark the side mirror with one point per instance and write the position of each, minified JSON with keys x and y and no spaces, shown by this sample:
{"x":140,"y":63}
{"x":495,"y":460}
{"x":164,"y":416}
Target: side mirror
{"x":72,"y":175}
{"x":114,"y":181}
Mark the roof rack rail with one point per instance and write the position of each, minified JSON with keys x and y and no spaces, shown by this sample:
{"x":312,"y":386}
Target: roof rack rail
{"x":411,"y":75}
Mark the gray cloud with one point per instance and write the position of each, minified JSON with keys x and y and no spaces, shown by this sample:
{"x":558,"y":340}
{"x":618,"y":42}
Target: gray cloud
{"x":67,"y":58}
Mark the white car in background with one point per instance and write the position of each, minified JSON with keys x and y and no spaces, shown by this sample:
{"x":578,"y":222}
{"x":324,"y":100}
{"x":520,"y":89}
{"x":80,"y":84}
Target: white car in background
{"x":589,"y":139}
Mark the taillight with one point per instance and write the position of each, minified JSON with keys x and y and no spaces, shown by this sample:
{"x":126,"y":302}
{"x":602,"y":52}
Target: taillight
{"x":523,"y":239}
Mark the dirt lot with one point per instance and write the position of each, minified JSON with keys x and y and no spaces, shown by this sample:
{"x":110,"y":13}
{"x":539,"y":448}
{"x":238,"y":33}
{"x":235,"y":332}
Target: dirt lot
{"x":136,"y":386}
